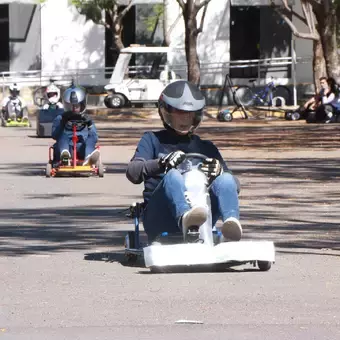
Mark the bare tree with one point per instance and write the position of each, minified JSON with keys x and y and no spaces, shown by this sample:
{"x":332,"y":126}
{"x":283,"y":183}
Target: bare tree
{"x":190,"y":9}
{"x":93,"y":10}
{"x":320,"y":17}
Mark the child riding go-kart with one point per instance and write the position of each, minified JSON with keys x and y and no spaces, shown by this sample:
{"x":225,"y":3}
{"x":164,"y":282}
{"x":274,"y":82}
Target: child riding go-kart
{"x":14,"y":110}
{"x":50,"y":107}
{"x":75,"y":151}
{"x":188,"y":187}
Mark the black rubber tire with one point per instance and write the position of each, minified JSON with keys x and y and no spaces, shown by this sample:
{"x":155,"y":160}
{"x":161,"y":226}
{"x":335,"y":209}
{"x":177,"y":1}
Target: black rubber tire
{"x":131,"y":236}
{"x":48,"y":170}
{"x":244,"y":95}
{"x":100,"y":170}
{"x":311,"y":117}
{"x":116,"y":101}
{"x":107,"y":101}
{"x":296,"y":116}
{"x":264,"y":266}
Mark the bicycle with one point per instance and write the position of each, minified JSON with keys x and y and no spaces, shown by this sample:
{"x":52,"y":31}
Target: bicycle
{"x":249,"y":97}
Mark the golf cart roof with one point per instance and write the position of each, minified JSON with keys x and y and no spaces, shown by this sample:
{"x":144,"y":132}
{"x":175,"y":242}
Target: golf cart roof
{"x":124,"y":58}
{"x":145,"y":49}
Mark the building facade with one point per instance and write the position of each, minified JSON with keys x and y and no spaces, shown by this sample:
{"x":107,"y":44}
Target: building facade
{"x":54,"y":38}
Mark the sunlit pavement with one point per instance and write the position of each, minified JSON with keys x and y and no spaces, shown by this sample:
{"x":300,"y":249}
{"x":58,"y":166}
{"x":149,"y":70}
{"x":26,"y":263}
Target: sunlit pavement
{"x":64,"y":276}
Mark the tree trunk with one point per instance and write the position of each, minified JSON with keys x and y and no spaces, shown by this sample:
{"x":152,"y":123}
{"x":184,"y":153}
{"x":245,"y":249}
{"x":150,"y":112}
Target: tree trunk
{"x":166,"y":37}
{"x":191,"y":43}
{"x":330,"y":45}
{"x":327,"y":27}
{"x":319,"y":64}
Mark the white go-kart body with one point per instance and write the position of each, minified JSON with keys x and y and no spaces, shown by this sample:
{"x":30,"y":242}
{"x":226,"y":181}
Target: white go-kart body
{"x":123,"y":89}
{"x":205,"y":247}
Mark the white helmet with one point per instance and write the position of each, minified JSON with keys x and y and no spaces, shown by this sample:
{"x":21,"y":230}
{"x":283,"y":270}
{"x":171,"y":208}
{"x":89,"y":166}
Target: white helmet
{"x":14,"y":90}
{"x":53,"y":94}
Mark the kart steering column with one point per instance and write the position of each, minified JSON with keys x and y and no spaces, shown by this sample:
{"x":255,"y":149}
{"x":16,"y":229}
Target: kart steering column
{"x":74,"y":140}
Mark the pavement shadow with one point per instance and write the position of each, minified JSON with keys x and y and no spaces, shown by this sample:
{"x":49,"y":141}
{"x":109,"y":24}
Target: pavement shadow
{"x":51,"y":230}
{"x":270,"y":135}
{"x":38,"y":169}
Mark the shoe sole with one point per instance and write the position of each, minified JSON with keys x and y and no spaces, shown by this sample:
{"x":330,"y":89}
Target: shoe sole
{"x":197,"y":217}
{"x":231,"y":230}
{"x":95,"y":157}
{"x":93,"y":160}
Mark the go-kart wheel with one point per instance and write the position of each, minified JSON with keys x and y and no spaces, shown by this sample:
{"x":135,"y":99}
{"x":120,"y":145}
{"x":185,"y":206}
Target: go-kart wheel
{"x":227,"y":117}
{"x":100,"y":170}
{"x":48,"y":170}
{"x":264,"y":266}
{"x":130,"y":244}
{"x":295,"y":116}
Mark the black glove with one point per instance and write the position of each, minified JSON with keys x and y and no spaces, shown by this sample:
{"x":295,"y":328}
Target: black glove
{"x":87,"y":121}
{"x":171,"y":160}
{"x":212,"y":168}
{"x":64,"y":119}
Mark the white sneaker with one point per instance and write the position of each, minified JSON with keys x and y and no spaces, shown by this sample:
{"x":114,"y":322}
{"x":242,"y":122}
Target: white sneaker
{"x":232,"y":229}
{"x":65,"y":155}
{"x":194,"y":217}
{"x":92,"y":158}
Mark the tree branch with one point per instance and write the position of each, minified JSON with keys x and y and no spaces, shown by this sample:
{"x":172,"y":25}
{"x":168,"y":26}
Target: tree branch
{"x":200,"y":29}
{"x":181,"y":3}
{"x":201,"y":4}
{"x":310,"y":36}
{"x":290,"y":10}
{"x":101,"y":22}
{"x":309,"y":15}
{"x":126,"y":9}
{"x":171,"y":28}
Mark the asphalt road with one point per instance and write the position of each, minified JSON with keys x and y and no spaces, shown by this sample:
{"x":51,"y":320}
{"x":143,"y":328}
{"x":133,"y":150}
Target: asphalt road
{"x":63,"y":274}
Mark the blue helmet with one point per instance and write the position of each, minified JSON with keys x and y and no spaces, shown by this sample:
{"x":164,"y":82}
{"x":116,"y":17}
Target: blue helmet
{"x":75,"y":99}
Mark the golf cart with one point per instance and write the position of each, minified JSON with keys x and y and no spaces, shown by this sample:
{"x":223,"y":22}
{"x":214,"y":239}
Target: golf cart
{"x":139,"y":88}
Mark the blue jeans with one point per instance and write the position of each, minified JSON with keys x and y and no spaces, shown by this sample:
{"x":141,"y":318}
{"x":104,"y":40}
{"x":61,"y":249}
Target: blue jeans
{"x":84,"y":146}
{"x":167,"y":203}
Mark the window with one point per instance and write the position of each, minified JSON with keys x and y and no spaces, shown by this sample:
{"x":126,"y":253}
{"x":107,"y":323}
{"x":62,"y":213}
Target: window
{"x":244,"y":38}
{"x":128,"y":37}
{"x":258,"y":32}
{"x":4,"y":38}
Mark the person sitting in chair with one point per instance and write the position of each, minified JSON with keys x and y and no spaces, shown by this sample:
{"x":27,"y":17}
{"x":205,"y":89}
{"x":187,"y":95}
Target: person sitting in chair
{"x":74,"y":101}
{"x":167,"y":207}
{"x":13,"y":106}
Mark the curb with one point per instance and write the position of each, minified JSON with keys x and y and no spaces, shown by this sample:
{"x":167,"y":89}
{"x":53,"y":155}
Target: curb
{"x":133,"y":113}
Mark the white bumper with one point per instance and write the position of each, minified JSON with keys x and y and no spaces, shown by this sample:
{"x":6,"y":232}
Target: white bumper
{"x":200,"y":254}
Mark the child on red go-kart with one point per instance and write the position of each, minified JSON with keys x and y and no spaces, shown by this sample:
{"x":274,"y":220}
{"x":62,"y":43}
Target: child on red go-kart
{"x":167,"y":208}
{"x":74,"y":101}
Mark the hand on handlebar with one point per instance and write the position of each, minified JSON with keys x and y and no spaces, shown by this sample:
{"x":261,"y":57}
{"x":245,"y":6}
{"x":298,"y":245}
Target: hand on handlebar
{"x":212,"y":168}
{"x":87,"y":121}
{"x":171,"y":160}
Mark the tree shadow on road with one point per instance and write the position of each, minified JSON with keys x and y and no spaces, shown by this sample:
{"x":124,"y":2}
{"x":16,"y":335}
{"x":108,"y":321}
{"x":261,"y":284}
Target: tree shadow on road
{"x":260,"y":135}
{"x":38,"y":169}
{"x":52,"y":230}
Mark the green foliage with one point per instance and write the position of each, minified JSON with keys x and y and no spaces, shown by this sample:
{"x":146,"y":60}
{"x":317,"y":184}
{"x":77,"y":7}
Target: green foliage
{"x":152,"y":20}
{"x":92,"y":9}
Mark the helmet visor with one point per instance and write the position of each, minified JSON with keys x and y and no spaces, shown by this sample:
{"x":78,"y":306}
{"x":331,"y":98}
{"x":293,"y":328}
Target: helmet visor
{"x":181,"y":121}
{"x":52,"y":94}
{"x":78,"y":108}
